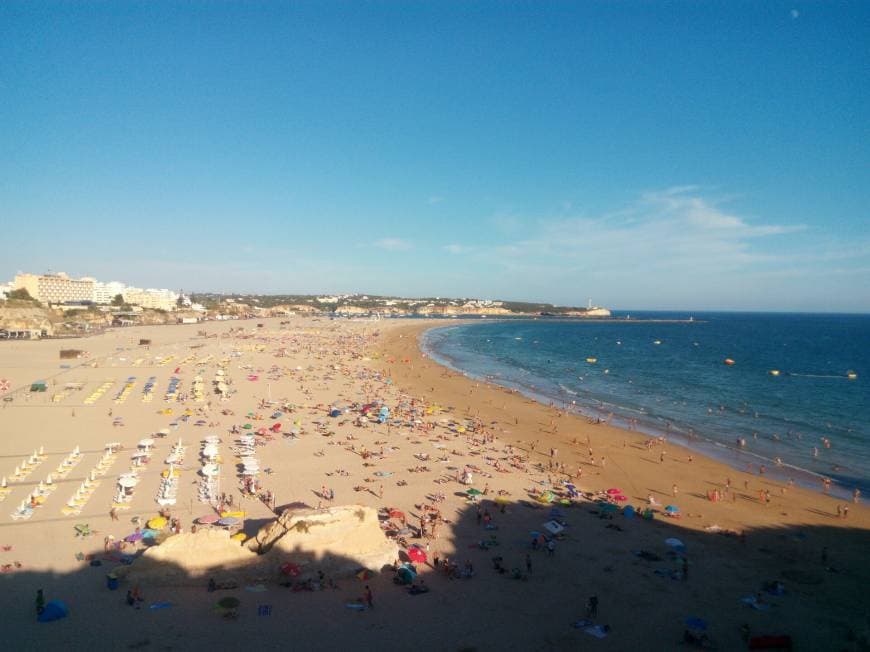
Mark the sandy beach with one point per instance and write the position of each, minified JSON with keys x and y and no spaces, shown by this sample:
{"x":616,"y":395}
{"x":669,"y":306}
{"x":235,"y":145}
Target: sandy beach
{"x":762,"y":559}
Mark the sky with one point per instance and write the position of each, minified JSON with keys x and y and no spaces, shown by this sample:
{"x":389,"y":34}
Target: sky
{"x":647,"y":155}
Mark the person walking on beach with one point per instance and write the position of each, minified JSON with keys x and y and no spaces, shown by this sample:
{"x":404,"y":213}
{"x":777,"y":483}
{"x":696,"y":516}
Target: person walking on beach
{"x":369,"y":599}
{"x":674,"y":490}
{"x":113,"y":514}
{"x":528,"y":563}
{"x":592,"y":607}
{"x":856,"y":495}
{"x":40,"y":602}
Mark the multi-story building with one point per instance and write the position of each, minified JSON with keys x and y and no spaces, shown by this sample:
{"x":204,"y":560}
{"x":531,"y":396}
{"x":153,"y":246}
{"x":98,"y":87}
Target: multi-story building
{"x":150,"y":298}
{"x":106,"y":292}
{"x":56,"y":288}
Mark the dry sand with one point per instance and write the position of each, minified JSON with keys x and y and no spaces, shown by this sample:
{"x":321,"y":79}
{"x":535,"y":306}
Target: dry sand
{"x":825,"y":606}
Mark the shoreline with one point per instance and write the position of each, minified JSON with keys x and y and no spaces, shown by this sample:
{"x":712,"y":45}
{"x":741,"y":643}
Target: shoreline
{"x":413,"y":465}
{"x":422,"y":375}
{"x":731,"y":456}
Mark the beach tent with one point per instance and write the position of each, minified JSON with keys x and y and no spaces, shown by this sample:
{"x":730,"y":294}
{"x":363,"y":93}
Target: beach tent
{"x":38,"y":386}
{"x":54,"y":610}
{"x":406,"y":574}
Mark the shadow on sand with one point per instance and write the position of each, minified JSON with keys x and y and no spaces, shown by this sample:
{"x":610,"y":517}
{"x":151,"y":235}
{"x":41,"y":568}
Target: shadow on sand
{"x":642,"y":595}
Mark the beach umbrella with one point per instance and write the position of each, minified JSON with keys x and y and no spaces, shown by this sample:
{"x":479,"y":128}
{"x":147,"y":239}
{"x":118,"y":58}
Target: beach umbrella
{"x":128,"y":481}
{"x":502,"y":500}
{"x":417,"y":555}
{"x":247,"y":426}
{"x":672,"y":509}
{"x":614,"y":491}
{"x":157,"y":523}
{"x":133,"y":538}
{"x":228,"y":602}
{"x":291,"y":569}
{"x":620,"y":499}
{"x":474,"y":492}
{"x":229,"y":520}
{"x":53,"y":610}
{"x":210,"y":470}
{"x":364,"y":574}
{"x":395,"y":513}
{"x":674,"y":543}
{"x":208,"y":519}
{"x":693,"y":622}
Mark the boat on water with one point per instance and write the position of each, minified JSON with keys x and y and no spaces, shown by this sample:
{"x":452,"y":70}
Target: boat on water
{"x":729,"y":361}
{"x":591,"y":360}
{"x":851,"y":375}
{"x":774,"y":372}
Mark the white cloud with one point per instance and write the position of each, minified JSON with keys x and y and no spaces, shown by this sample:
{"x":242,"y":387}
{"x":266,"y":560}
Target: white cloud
{"x":393,"y":244}
{"x":672,"y":235}
{"x":436,"y":199}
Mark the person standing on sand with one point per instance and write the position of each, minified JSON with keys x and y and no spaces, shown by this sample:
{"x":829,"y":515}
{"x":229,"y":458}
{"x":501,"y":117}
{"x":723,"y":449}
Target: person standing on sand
{"x":856,"y":495}
{"x":674,"y":490}
{"x":528,"y":563}
{"x":369,"y":599}
{"x":592,"y":607}
{"x":662,"y":457}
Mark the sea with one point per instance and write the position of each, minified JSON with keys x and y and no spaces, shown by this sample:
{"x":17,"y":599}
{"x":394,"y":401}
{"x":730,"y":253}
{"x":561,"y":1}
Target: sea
{"x":793,"y":396}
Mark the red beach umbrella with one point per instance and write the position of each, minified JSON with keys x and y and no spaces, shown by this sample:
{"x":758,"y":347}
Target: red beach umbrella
{"x":614,"y":492}
{"x":417,"y":555}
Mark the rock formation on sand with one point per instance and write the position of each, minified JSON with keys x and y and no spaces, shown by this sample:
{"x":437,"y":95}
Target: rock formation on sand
{"x":191,"y":558}
{"x":338,"y":541}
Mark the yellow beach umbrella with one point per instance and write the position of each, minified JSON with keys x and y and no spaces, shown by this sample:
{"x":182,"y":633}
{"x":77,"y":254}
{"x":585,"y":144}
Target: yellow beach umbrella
{"x":157,"y":523}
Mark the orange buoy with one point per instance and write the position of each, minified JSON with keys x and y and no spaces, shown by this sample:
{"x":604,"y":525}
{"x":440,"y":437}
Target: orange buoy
{"x":729,"y":361}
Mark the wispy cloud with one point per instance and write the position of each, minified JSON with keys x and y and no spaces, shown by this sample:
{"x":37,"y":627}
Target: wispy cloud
{"x":435,"y":199}
{"x":393,"y":244}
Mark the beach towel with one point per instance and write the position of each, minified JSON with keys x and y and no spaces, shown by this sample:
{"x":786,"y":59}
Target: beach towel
{"x":753,"y":602}
{"x":598,"y":631}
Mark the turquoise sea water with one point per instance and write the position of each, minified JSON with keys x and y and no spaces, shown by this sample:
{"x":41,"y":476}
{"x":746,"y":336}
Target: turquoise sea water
{"x":670,"y":378}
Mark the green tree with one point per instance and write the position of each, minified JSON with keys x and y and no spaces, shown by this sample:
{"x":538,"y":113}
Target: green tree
{"x":118,"y":300}
{"x":21,"y":294}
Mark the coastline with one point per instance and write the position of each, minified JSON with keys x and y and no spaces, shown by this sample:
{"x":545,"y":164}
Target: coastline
{"x":733,"y":457}
{"x":310,"y":363}
{"x":627,"y":463}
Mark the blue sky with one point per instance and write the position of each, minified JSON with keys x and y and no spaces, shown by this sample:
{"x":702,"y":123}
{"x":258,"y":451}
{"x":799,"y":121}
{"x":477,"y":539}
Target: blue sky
{"x":649,"y":155}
